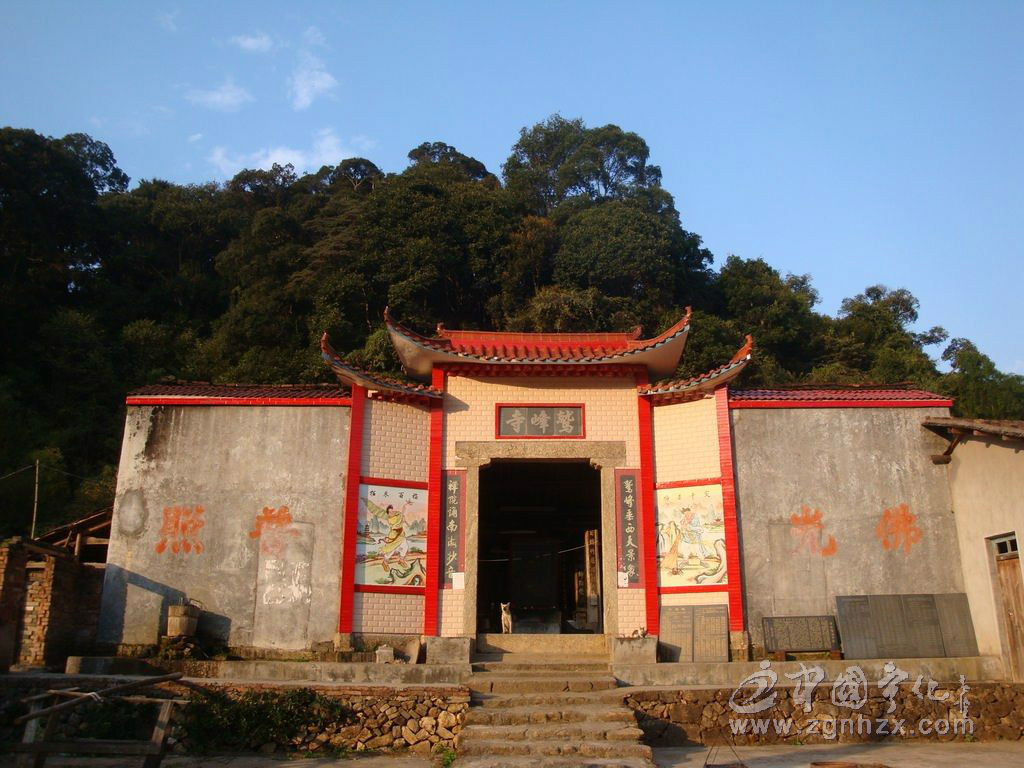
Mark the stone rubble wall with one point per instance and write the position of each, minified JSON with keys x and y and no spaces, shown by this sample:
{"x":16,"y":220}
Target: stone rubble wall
{"x":687,"y":716}
{"x":423,"y":719}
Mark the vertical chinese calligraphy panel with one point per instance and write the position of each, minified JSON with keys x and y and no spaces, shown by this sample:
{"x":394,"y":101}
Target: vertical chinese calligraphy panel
{"x":452,"y":529}
{"x":627,"y":513}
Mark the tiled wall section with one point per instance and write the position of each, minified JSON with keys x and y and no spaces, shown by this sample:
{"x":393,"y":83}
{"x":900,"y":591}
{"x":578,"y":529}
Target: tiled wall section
{"x":696,"y":598}
{"x":610,"y":407}
{"x":451,"y":612}
{"x":632,"y":611}
{"x":395,"y":440}
{"x":686,"y":441}
{"x":388,"y":614}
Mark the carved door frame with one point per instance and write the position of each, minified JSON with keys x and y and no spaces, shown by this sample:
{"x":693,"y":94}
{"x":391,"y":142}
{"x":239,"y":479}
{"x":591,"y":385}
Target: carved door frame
{"x":604,"y":455}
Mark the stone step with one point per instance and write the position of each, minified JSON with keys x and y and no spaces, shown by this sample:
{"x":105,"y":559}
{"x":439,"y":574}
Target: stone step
{"x":555,"y":748}
{"x":566,"y":646}
{"x":585,"y":731}
{"x":563,"y":681}
{"x":551,"y":713}
{"x":545,"y":699}
{"x":508,"y":664}
{"x":564,"y":761}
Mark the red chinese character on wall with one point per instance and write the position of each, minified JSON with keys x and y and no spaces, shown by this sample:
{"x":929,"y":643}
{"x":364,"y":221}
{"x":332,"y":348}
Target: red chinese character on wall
{"x":807,"y":529}
{"x":180,"y":529}
{"x":273,"y":529}
{"x":897,"y":529}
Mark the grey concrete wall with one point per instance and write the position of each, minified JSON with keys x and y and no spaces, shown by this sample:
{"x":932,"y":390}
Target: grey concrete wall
{"x":987,"y":481}
{"x":850,"y":464}
{"x":272,"y":584}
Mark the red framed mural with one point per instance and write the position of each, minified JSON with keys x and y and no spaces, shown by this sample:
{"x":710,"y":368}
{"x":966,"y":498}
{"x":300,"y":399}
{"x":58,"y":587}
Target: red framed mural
{"x":391,"y":536}
{"x":540,"y":421}
{"x":691,"y":535}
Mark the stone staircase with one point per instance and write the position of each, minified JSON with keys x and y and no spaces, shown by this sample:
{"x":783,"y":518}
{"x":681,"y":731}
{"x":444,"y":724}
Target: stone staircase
{"x":547,"y":711}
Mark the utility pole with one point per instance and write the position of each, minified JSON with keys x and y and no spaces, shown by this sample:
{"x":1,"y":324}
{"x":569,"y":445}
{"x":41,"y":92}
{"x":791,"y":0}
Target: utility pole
{"x":35,"y":502}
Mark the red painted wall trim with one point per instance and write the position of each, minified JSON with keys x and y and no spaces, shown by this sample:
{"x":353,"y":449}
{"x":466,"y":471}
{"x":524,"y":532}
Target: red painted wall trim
{"x":841,"y":404}
{"x":497,"y":421}
{"x":351,"y":520}
{"x":649,"y":536}
{"x":393,"y":483}
{"x":732,"y":539}
{"x":297,"y":401}
{"x":694,"y":588}
{"x":434,"y":494}
{"x":384,"y":590}
{"x":690,"y":483}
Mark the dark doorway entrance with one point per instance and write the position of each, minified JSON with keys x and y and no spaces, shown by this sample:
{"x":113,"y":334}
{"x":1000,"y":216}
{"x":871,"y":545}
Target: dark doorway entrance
{"x":539,"y":547}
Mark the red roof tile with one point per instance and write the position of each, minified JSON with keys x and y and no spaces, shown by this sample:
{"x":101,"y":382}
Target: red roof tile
{"x":277,"y":391}
{"x":493,"y":346}
{"x":857,"y":394}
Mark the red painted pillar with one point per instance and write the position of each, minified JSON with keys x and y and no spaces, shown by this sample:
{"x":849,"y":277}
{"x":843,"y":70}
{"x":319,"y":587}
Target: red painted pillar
{"x":649,"y":536}
{"x":434,"y":496}
{"x":350,"y":525}
{"x":732,"y":537}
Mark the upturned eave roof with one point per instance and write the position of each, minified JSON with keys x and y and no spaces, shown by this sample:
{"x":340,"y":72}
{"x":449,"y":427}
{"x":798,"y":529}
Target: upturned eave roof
{"x":353,"y":375}
{"x":419,"y":354}
{"x":678,"y":390}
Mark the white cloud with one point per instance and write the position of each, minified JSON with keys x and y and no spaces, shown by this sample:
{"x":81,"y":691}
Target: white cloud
{"x":327,"y":149}
{"x":169,"y":20}
{"x":194,"y":137}
{"x":227,"y":98}
{"x":258,"y":43}
{"x":313,"y":36}
{"x":309,"y":80}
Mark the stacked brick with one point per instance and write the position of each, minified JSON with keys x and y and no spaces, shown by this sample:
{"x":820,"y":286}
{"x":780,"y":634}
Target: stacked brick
{"x":12,"y":593}
{"x":49,"y":607}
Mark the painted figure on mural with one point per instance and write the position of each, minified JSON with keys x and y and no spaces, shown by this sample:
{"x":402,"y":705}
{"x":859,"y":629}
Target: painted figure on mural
{"x":394,"y":544}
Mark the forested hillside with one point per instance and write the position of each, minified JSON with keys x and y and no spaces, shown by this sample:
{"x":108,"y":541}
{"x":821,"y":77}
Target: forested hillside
{"x":106,"y":287}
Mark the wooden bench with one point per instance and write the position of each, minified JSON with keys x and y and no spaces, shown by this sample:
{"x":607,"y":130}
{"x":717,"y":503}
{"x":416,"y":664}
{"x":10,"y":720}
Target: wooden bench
{"x":34,"y":752}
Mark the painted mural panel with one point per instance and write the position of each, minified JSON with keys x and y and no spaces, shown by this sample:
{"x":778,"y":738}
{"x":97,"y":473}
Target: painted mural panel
{"x":391,"y":540}
{"x":691,"y":536}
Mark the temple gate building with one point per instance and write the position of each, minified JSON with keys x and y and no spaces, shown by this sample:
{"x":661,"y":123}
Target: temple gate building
{"x":567,"y":476}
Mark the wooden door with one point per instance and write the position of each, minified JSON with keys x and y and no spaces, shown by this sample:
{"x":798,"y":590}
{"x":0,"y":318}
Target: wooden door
{"x":1012,"y":591}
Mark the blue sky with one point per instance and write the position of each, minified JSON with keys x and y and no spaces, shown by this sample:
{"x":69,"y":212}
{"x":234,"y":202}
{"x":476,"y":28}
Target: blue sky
{"x":860,"y":142}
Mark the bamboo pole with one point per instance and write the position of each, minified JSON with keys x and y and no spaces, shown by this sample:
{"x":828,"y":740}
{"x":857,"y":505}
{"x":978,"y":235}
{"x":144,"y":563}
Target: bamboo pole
{"x":99,"y":694}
